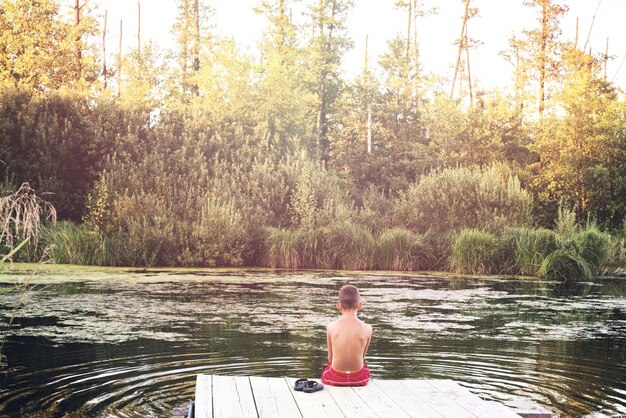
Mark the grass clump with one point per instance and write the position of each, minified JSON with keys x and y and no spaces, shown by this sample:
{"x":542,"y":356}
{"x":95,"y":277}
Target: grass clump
{"x":281,"y":248}
{"x":399,"y":249}
{"x":476,"y":252}
{"x":593,"y":246}
{"x":77,"y":244}
{"x":564,"y":265}
{"x":349,"y":246}
{"x":528,"y":248}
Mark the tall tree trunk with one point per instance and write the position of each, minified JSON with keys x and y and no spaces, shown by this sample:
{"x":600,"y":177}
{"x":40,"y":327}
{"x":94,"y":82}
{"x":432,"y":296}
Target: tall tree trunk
{"x":458,"y":57}
{"x":139,"y":27}
{"x":408,"y":29}
{"x":119,"y":63}
{"x":542,"y":60}
{"x":196,"y":43}
{"x":606,"y":57}
{"x":322,"y":128}
{"x":469,"y":73}
{"x":79,"y":60}
{"x":104,"y":50}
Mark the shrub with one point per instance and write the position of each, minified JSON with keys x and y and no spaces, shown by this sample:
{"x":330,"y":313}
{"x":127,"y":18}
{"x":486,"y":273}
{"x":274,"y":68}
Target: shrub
{"x":399,"y":249}
{"x":281,"y":248}
{"x":476,"y":252}
{"x":564,"y":265}
{"x":458,"y":198}
{"x":527,"y":248}
{"x":218,"y":237}
{"x":76,"y":244}
{"x":566,"y":225}
{"x":348,"y":246}
{"x":593,"y":246}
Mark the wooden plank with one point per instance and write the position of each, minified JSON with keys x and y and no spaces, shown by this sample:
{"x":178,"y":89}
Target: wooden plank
{"x":379,"y":402}
{"x":427,"y":393}
{"x":402,"y":396}
{"x":273,"y":397}
{"x":232,"y":397}
{"x":472,"y":402}
{"x":316,"y":404}
{"x":349,"y":402}
{"x":204,"y":397}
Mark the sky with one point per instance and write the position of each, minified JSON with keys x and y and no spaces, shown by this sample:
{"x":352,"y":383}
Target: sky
{"x":496,"y":22}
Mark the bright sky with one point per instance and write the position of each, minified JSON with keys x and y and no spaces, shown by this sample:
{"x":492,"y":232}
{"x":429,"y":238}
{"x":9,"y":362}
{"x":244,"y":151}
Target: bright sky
{"x":496,"y":22}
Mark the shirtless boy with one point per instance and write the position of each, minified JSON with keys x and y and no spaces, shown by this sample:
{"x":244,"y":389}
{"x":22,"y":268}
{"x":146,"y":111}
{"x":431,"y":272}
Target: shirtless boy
{"x":348,"y":339}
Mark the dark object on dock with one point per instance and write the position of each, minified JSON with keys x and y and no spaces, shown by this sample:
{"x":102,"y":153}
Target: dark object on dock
{"x":242,"y":396}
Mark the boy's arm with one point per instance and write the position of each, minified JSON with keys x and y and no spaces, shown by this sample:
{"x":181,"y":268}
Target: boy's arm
{"x":367,"y":345}
{"x":330,"y":345}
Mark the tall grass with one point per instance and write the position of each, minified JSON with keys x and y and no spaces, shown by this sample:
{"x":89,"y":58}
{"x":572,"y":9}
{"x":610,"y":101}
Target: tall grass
{"x":527,"y":248}
{"x":593,"y":246}
{"x":564,"y":265}
{"x":399,"y":249}
{"x":281,"y":248}
{"x":76,"y":244}
{"x":476,"y":252}
{"x":349,"y":246}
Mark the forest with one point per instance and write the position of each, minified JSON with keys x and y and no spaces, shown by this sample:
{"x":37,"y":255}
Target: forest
{"x":206,"y":155}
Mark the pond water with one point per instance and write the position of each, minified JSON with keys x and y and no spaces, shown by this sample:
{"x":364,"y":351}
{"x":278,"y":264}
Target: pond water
{"x":129,"y":344}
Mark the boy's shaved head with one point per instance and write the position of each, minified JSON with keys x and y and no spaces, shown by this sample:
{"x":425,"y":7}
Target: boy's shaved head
{"x":349,"y":297}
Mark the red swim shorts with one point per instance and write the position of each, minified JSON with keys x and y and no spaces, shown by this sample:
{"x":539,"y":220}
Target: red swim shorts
{"x":332,"y":377}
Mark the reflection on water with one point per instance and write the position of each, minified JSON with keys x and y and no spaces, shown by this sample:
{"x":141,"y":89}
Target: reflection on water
{"x":107,"y":344}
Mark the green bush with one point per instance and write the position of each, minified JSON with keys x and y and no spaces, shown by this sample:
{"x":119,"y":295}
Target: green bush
{"x":348,"y":246}
{"x":527,"y":248}
{"x":458,"y":198}
{"x":477,"y":252}
{"x":565,"y":266}
{"x":593,"y":246}
{"x":76,"y":244}
{"x":282,"y":248}
{"x":399,"y":249}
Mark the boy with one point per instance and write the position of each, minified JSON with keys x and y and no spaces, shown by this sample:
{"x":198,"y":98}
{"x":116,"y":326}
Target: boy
{"x":348,"y":339}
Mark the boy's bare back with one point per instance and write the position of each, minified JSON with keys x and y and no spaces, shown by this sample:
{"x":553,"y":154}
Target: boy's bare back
{"x":348,"y":340}
{"x":348,"y":337}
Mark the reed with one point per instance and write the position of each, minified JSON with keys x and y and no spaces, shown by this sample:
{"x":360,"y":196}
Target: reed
{"x":563,"y":265}
{"x":399,"y":249}
{"x":74,"y":244}
{"x":527,"y":248}
{"x":476,"y":252}
{"x":594,"y":246}
{"x":348,"y":246}
{"x":281,"y":248}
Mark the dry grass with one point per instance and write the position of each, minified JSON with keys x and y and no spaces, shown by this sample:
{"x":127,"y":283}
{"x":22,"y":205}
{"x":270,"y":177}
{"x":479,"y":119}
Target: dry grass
{"x":21,"y":216}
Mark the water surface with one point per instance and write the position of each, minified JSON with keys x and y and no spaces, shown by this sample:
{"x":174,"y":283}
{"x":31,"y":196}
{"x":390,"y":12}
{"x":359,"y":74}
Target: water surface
{"x":129,"y":344}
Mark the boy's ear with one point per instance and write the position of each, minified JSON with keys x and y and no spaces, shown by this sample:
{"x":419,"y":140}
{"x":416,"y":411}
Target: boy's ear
{"x":339,"y":307}
{"x":359,"y":306}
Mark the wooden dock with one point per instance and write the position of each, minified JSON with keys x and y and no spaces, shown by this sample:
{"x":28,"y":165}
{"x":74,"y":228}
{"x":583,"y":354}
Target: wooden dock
{"x":242,"y":396}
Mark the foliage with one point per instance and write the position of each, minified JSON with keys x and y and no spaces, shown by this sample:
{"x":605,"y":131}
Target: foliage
{"x":348,"y":246}
{"x":457,"y":198}
{"x":400,"y":249}
{"x":564,"y":265}
{"x":22,"y":214}
{"x":593,"y":246}
{"x":528,"y":248}
{"x":476,"y":252}
{"x":77,"y":244}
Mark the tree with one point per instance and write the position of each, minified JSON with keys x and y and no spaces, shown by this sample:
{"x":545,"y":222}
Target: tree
{"x":39,"y":50}
{"x":583,"y":152}
{"x":192,"y":31}
{"x":328,"y":44}
{"x":284,"y":103}
{"x":542,"y":48}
